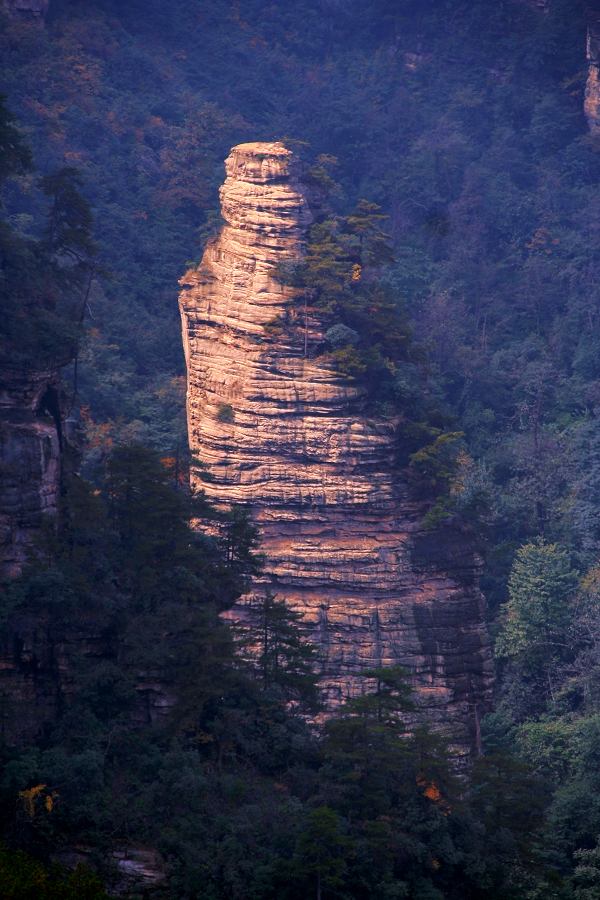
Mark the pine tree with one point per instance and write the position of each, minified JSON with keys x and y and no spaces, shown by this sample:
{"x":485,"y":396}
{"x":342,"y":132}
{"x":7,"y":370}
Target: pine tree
{"x":322,"y":850}
{"x":239,"y":543}
{"x":390,"y":699}
{"x":67,"y":235}
{"x":274,"y":641}
{"x":391,"y":784}
{"x":160,"y":555}
{"x":373,"y":243}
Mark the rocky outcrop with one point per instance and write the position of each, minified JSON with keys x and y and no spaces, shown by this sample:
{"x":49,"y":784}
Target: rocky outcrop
{"x":42,"y":657}
{"x":284,"y":435}
{"x":37,"y":658}
{"x":591,"y":103}
{"x":134,"y":870}
{"x":40,"y":651}
{"x":31,"y":441}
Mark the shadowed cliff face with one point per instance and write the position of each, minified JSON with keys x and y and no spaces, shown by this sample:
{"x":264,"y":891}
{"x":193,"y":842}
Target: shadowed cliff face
{"x":286,"y":436}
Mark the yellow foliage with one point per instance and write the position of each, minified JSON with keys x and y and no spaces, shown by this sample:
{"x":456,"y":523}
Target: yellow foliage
{"x":356,"y":272}
{"x":31,"y":796}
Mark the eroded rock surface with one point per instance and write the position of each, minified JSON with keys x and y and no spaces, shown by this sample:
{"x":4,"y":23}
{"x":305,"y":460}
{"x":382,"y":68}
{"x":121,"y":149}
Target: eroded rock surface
{"x":30,"y":460}
{"x":283,"y":434}
{"x":40,"y":651}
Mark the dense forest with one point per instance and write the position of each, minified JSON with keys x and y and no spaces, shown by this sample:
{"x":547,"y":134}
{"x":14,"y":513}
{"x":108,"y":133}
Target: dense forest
{"x":460,"y":171}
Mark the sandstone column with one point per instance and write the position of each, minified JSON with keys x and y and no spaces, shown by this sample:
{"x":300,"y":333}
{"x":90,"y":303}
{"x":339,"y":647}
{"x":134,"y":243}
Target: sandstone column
{"x":283,"y":434}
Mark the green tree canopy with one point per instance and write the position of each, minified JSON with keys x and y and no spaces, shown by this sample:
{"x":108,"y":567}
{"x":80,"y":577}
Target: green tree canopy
{"x":536,"y":630}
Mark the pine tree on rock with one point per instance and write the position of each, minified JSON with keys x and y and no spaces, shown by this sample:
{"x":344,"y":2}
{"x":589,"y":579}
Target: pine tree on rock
{"x":277,"y":647}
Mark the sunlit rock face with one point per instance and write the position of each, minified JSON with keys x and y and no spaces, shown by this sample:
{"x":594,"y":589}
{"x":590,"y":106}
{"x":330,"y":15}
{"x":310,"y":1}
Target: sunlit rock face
{"x":30,"y":461}
{"x":281,"y":433}
{"x":591,"y":104}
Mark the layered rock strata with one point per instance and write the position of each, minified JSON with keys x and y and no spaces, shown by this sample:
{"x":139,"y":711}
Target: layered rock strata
{"x":282,"y":434}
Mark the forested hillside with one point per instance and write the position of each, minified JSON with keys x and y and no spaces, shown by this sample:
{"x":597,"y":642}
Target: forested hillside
{"x":464,"y":122}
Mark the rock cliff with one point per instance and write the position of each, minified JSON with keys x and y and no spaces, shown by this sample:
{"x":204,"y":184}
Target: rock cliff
{"x":33,"y":660}
{"x":285,"y":436}
{"x":31,"y":441}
